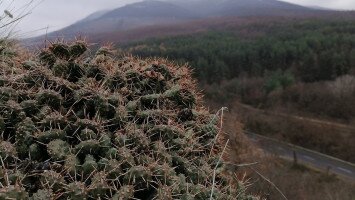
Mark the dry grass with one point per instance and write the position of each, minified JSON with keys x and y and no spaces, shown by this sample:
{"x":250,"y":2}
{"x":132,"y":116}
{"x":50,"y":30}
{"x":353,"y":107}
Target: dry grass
{"x":271,"y":177}
{"x":325,"y":138}
{"x":299,"y":182}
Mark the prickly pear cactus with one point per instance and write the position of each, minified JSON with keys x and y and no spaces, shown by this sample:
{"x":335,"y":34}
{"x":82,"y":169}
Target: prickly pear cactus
{"x":80,"y":126}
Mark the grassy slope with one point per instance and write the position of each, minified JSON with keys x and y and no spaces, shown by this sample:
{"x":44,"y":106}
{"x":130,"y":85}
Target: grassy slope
{"x":298,"y":182}
{"x":295,"y":182}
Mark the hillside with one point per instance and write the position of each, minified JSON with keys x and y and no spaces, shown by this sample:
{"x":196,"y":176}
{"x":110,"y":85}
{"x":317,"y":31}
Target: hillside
{"x":93,"y":16}
{"x":261,"y":45}
{"x":153,"y":12}
{"x":243,"y":7}
{"x":128,"y":17}
{"x":257,"y":8}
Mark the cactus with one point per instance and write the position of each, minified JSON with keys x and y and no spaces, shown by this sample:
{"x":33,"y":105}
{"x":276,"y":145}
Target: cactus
{"x":72,"y":165}
{"x":99,"y":187}
{"x":77,"y":49}
{"x":60,"y":69}
{"x":60,"y":50}
{"x":13,"y":192}
{"x":24,"y":134}
{"x":47,"y":58}
{"x":106,"y":127}
{"x":43,"y":194}
{"x":30,"y":107}
{"x":125,"y":193}
{"x":53,"y":180}
{"x":164,"y":193}
{"x":7,"y":150}
{"x":2,"y":124}
{"x":87,"y":134}
{"x":89,"y":165}
{"x":139,"y":176}
{"x":50,"y":98}
{"x":76,"y":191}
{"x":88,"y":147}
{"x":35,"y":151}
{"x":51,"y":135}
{"x":58,"y":149}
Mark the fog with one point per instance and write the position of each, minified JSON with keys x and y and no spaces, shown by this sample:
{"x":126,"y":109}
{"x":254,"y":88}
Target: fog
{"x":50,"y":15}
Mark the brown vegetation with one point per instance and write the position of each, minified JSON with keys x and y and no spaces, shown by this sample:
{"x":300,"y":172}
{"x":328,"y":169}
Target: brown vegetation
{"x":327,"y":138}
{"x":241,"y":25}
{"x":298,"y":182}
{"x":273,"y":178}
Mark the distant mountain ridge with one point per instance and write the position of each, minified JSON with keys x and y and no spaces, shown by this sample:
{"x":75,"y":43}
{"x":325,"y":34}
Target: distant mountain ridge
{"x":127,"y":17}
{"x":94,"y":16}
{"x":160,"y":12}
{"x":257,"y":7}
{"x":241,"y":7}
{"x":154,"y":9}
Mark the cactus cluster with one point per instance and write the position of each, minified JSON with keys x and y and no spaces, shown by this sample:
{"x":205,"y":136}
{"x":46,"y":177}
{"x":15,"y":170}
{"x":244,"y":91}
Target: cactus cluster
{"x":81,"y":125}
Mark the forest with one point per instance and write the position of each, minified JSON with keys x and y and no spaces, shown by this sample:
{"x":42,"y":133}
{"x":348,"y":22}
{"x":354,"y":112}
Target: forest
{"x":303,"y":67}
{"x":252,"y":63}
{"x":313,"y":50}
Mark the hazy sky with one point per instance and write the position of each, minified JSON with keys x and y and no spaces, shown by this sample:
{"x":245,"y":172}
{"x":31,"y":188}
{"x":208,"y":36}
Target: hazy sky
{"x":56,"y":14}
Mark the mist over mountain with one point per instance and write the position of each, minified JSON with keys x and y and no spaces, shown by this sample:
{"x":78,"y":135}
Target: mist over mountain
{"x":152,"y":9}
{"x":94,"y":16}
{"x":209,"y":8}
{"x":127,"y":17}
{"x":257,"y":7}
{"x":154,"y":12}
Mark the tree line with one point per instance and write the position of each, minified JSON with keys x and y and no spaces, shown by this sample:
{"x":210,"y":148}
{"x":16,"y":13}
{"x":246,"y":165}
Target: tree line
{"x":311,"y":50}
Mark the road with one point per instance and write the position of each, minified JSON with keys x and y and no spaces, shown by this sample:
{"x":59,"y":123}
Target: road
{"x":306,"y":157}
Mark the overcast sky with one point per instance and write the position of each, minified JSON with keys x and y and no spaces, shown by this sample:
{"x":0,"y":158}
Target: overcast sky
{"x":56,"y":14}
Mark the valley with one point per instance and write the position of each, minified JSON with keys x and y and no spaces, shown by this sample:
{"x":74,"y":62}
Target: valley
{"x":285,"y":71}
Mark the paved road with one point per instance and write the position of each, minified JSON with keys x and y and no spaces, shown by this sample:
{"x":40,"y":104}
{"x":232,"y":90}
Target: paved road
{"x":307,"y":157}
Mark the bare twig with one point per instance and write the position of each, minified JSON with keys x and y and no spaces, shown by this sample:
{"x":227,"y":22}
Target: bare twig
{"x":219,"y":112}
{"x":215,"y":170}
{"x":12,"y":17}
{"x":13,"y":21}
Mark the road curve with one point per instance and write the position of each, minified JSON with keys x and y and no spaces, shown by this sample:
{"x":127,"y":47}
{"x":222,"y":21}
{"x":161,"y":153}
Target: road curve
{"x":304,"y":156}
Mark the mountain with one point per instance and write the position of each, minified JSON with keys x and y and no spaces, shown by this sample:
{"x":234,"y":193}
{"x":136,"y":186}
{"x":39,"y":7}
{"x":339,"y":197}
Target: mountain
{"x":209,"y":8}
{"x":134,"y":15}
{"x":164,"y":12}
{"x":94,"y":16}
{"x":321,"y":8}
{"x":257,"y":7}
{"x":151,"y":9}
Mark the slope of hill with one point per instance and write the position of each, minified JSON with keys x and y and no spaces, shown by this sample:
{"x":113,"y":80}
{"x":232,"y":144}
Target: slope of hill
{"x":124,"y":18}
{"x":257,"y":7}
{"x":208,"y":8}
{"x":94,"y":16}
{"x":154,"y":12}
{"x":158,"y":9}
{"x":248,"y":25}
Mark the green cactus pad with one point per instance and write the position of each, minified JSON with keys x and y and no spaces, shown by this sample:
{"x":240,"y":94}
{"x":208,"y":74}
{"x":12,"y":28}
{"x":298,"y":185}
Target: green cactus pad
{"x":77,"y":49}
{"x":58,"y":149}
{"x":60,"y":50}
